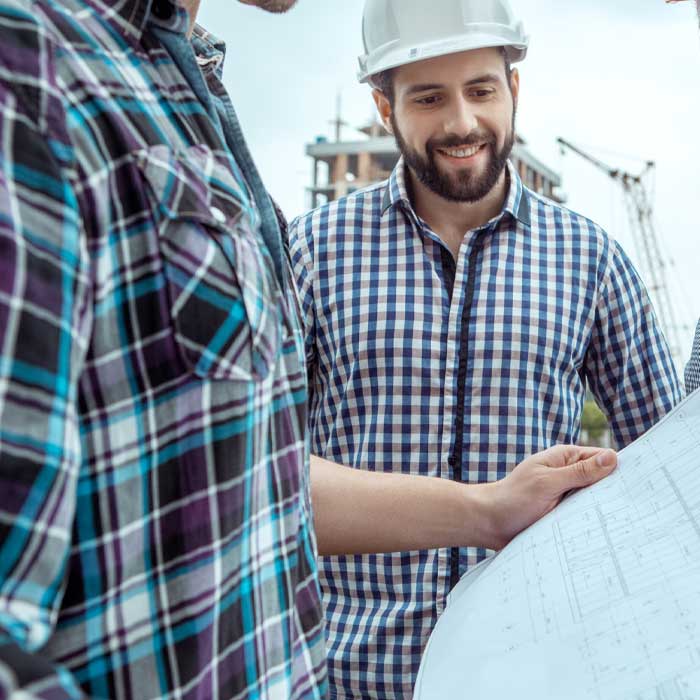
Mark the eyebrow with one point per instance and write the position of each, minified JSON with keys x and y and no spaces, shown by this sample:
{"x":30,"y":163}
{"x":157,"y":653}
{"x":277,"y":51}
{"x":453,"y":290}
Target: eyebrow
{"x":479,"y":80}
{"x":486,"y":78}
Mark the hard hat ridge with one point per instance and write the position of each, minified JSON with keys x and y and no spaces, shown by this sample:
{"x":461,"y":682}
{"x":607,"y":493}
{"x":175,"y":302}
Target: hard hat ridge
{"x":397,"y":32}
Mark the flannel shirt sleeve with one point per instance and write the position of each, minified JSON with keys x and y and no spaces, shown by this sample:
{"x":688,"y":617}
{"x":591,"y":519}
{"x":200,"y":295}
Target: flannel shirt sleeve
{"x":300,"y":246}
{"x":628,"y":365}
{"x":43,"y":337}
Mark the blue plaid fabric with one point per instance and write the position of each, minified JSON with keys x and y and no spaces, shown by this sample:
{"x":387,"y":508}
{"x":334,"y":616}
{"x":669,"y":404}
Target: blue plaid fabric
{"x":460,"y":371}
{"x":155,"y":516}
{"x":692,"y":369}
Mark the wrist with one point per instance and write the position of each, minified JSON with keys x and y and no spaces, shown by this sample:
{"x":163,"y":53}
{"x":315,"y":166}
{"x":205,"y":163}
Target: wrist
{"x":484,"y":522}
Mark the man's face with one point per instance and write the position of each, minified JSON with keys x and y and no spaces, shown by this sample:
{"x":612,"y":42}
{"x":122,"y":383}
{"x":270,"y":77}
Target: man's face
{"x":271,"y":5}
{"x":453,"y":119}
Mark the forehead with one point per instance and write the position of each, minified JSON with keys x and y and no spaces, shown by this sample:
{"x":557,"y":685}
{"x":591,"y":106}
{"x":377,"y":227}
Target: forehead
{"x":453,"y":68}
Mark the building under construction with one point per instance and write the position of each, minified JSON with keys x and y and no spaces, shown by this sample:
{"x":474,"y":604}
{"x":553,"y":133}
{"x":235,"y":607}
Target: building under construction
{"x":341,"y":167}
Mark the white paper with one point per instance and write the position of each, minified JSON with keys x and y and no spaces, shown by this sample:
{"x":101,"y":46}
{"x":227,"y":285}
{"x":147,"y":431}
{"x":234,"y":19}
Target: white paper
{"x":599,"y":600}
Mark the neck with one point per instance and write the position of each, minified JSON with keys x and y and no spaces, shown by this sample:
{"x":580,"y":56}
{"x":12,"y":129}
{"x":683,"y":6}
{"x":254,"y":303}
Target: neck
{"x":453,"y":220}
{"x":192,"y":7}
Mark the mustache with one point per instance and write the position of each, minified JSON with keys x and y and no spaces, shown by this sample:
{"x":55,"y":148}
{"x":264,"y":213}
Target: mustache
{"x":455,"y":140}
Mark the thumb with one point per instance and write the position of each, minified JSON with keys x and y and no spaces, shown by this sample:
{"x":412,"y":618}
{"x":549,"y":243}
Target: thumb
{"x":587,"y":471}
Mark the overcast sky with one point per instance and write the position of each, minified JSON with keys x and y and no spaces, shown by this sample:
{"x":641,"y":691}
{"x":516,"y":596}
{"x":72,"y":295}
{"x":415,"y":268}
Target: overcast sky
{"x":618,"y":77}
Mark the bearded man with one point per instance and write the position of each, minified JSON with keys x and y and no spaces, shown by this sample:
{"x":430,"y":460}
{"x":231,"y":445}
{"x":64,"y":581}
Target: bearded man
{"x":454,"y":319}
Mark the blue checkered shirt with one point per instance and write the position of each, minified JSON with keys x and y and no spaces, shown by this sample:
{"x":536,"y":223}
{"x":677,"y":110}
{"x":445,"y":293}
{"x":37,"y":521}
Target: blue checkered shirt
{"x":423,"y":366}
{"x":692,"y":369}
{"x":156,"y":535}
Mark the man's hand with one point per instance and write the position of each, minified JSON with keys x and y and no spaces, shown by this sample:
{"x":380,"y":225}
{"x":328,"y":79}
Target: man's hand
{"x":538,"y":484}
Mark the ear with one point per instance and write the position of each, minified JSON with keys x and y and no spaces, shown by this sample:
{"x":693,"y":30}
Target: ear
{"x":515,"y":85}
{"x":383,"y":108}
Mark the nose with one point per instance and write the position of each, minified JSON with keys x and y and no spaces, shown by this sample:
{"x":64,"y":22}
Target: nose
{"x":461,"y":118}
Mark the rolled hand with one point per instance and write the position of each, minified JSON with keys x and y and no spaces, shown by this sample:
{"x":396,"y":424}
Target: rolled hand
{"x":539,"y":483}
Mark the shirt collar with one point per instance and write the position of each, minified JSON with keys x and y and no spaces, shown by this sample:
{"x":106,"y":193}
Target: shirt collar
{"x":133,"y":16}
{"x":516,"y":204}
{"x":210,"y":50}
{"x":396,"y":192}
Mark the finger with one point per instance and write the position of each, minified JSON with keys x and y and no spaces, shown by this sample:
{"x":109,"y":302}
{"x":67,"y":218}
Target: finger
{"x":585,"y":472}
{"x":586,"y":452}
{"x":566,"y":455}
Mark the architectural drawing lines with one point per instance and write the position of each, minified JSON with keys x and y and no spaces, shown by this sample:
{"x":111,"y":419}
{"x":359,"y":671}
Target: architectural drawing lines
{"x":611,"y":550}
{"x":564,"y":565}
{"x":681,"y":500}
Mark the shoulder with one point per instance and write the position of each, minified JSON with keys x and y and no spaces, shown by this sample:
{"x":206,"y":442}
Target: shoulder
{"x":27,"y":30}
{"x":28,"y":48}
{"x":362,"y":207}
{"x":589,"y":245}
{"x":23,"y":37}
{"x":554,"y":219}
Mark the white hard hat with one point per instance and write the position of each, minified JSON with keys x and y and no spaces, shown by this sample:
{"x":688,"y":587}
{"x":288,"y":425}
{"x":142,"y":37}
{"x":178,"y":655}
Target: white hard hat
{"x":397,"y":32}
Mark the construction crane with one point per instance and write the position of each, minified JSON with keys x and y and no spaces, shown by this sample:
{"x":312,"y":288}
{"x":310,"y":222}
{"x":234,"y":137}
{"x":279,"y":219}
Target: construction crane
{"x":652,"y":261}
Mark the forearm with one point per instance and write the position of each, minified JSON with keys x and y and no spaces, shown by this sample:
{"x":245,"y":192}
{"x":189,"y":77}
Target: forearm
{"x":358,"y":511}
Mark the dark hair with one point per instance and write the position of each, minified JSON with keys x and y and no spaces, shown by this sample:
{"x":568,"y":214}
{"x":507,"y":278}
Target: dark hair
{"x":384,"y":81}
{"x":506,"y":62}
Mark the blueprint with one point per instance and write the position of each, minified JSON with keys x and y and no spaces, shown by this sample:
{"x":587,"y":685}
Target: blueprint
{"x":599,"y":600}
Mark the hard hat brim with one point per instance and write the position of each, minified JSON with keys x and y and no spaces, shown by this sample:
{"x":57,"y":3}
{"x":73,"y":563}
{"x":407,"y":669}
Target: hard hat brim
{"x":393,"y":57}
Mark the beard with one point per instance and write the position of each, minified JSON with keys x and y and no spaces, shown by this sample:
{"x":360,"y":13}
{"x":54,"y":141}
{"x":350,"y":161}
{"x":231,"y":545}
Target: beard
{"x":465,"y":186}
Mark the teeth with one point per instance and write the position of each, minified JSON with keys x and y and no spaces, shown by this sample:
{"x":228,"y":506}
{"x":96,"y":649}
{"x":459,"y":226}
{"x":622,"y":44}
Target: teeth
{"x":461,"y":152}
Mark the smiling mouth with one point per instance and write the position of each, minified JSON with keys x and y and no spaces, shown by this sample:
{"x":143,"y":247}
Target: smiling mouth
{"x":462,"y":151}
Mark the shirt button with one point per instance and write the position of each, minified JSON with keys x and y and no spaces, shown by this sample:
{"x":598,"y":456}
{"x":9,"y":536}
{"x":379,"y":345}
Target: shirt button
{"x":218,"y":215}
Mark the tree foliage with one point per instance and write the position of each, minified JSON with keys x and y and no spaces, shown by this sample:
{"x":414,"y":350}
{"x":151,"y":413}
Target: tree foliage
{"x":593,"y":420}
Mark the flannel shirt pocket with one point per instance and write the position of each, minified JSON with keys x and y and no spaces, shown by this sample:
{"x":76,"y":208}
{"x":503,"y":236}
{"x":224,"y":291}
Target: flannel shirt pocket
{"x":225,"y":302}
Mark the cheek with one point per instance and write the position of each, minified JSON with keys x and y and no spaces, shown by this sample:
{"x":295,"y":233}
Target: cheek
{"x":417,"y":133}
{"x":420,"y":142}
{"x":501,"y":127}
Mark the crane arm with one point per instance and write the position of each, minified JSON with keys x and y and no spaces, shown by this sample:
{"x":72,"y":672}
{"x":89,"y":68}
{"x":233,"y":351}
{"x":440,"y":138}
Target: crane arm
{"x":612,"y":172}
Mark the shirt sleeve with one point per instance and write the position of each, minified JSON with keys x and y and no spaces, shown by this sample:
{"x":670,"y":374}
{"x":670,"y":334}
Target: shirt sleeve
{"x":628,"y":365}
{"x":43,"y":332}
{"x":300,"y":234}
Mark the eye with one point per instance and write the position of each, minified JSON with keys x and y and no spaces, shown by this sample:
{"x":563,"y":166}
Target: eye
{"x":482,"y":93}
{"x":428,"y":100}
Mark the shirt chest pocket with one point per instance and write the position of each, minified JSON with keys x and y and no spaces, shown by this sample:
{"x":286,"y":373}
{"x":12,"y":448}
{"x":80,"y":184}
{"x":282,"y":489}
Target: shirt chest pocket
{"x":224,"y":301}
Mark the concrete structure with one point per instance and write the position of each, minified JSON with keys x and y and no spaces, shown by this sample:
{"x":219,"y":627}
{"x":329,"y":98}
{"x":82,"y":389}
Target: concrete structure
{"x":341,"y":167}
